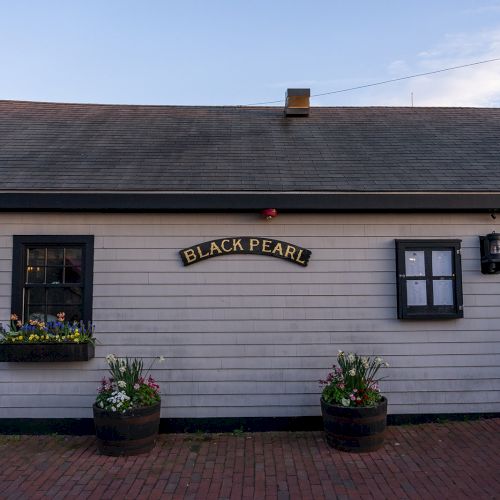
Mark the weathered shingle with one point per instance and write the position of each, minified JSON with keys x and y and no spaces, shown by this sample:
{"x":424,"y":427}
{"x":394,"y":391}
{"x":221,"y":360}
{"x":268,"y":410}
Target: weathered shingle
{"x":47,"y":146}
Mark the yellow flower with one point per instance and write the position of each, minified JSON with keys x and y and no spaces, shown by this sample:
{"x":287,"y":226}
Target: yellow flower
{"x":77,"y":333}
{"x":76,"y":340}
{"x":20,"y":337}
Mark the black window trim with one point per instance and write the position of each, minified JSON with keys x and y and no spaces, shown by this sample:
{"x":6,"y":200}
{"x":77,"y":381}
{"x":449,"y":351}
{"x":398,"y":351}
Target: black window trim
{"x":429,"y":311}
{"x":19,"y":245}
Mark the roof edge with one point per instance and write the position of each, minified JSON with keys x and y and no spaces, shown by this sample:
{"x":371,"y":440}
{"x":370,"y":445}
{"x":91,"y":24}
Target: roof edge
{"x":248,"y":201}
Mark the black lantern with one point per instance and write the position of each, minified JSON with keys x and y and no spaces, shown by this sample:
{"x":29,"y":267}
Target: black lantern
{"x":490,"y":253}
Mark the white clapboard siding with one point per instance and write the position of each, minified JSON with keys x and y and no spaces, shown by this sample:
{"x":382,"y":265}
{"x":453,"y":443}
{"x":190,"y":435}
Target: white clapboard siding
{"x":247,"y":335}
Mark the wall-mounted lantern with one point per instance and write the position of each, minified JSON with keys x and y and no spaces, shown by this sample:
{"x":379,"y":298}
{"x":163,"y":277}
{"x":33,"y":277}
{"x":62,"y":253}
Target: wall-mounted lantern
{"x":269,"y":213}
{"x":490,"y":253}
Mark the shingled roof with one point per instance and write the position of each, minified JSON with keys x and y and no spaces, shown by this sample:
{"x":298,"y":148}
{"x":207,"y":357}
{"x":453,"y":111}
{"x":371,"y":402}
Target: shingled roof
{"x":51,"y":147}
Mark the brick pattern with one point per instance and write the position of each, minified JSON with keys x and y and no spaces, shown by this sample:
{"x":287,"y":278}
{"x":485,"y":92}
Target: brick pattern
{"x":52,"y":146}
{"x":433,"y":461}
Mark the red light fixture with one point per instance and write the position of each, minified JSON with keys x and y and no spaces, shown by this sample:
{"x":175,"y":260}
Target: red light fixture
{"x":269,"y":213}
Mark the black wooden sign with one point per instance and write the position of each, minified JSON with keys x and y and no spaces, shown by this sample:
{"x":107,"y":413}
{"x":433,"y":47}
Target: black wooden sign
{"x":246,"y":245}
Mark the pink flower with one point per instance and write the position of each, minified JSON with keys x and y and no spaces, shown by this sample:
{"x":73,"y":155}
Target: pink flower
{"x":61,"y":316}
{"x":352,"y":397}
{"x":341,"y":385}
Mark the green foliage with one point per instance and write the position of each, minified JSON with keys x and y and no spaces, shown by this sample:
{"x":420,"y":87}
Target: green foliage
{"x":127,"y":388}
{"x":52,"y":332}
{"x":353,"y":382}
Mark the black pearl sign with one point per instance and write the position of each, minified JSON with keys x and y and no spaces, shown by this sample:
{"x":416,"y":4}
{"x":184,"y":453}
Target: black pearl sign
{"x":245,"y":245}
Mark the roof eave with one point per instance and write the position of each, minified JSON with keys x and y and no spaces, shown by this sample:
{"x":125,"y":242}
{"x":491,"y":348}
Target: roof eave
{"x":248,"y":201}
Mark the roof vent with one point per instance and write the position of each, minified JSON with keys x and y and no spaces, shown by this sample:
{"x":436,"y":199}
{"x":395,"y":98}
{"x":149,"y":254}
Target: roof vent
{"x":297,"y":102}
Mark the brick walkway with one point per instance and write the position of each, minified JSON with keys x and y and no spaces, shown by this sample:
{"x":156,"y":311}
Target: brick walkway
{"x":452,"y":460}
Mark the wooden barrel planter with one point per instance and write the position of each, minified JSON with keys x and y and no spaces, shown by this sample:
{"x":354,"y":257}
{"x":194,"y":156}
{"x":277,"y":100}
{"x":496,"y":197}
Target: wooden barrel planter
{"x":130,"y":433}
{"x":356,"y":429}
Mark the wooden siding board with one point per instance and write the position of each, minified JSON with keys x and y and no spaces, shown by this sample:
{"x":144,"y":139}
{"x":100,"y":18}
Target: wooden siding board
{"x":250,"y":336}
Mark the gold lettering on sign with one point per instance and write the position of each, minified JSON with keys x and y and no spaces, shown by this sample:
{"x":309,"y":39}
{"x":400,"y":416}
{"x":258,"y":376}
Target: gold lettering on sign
{"x":253,"y":243}
{"x":214,"y":248}
{"x":201,"y":254}
{"x":189,"y":255}
{"x":237,"y":245}
{"x":278,"y":249}
{"x":265,"y":245}
{"x":245,"y":245}
{"x":290,"y":251}
{"x":222,"y":244}
{"x":298,"y":257}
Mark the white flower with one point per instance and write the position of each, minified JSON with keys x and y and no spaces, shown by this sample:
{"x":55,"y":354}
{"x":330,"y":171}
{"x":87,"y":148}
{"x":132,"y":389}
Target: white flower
{"x":352,"y":372}
{"x":122,"y":384}
{"x":378,"y":361}
{"x":113,"y":408}
{"x":161,"y":359}
{"x":386,"y":364}
{"x":345,"y":402}
{"x":137,"y":387}
{"x":122,"y":369}
{"x":350,"y":357}
{"x":101,"y":404}
{"x":341,"y":353}
{"x":110,"y":358}
{"x":365,"y":362}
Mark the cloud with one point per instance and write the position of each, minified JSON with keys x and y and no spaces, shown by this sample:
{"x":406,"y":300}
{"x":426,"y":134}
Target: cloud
{"x":475,"y":86}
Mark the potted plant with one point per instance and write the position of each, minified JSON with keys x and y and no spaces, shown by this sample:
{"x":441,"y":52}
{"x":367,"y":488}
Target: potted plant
{"x":354,"y":412}
{"x":46,"y":341}
{"x":127,"y":408}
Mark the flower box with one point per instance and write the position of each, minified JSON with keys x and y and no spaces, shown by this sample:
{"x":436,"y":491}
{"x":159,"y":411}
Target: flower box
{"x":44,"y":352}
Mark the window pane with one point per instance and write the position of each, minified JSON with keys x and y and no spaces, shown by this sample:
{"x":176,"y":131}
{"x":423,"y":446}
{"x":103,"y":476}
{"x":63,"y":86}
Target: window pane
{"x":441,"y":263}
{"x":60,"y":296}
{"x":35,"y":295}
{"x":73,"y":275}
{"x":36,"y":256}
{"x":416,"y":293}
{"x":414,"y":263}
{"x":73,"y":313}
{"x":72,"y":295}
{"x":35,"y":274}
{"x":54,"y":275}
{"x":36,"y":312}
{"x":55,"y":256}
{"x":443,"y":292}
{"x":73,"y":257}
{"x":55,"y":296}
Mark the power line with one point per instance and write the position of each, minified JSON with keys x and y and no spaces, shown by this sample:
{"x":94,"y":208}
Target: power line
{"x":383,"y":82}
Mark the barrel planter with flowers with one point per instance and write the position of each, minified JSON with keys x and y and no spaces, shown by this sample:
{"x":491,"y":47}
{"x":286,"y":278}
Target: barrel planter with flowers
{"x":127,"y":409}
{"x":39,"y":341}
{"x":354,"y":412}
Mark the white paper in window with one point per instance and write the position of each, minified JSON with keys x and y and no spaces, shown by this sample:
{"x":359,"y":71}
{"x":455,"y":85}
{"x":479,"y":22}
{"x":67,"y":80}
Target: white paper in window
{"x":414,"y":263}
{"x":443,"y":292}
{"x":416,"y":293}
{"x":441,"y":263}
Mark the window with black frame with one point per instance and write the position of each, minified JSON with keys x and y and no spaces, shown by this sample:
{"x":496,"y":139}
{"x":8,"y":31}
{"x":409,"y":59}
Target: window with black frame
{"x":429,"y":279}
{"x":52,"y":274}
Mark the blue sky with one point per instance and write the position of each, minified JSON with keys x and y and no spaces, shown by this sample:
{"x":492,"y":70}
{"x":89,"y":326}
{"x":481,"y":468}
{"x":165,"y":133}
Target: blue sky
{"x":240,"y":52}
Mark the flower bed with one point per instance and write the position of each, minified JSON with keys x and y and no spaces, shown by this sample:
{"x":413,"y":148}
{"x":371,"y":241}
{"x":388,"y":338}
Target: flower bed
{"x":36,"y":341}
